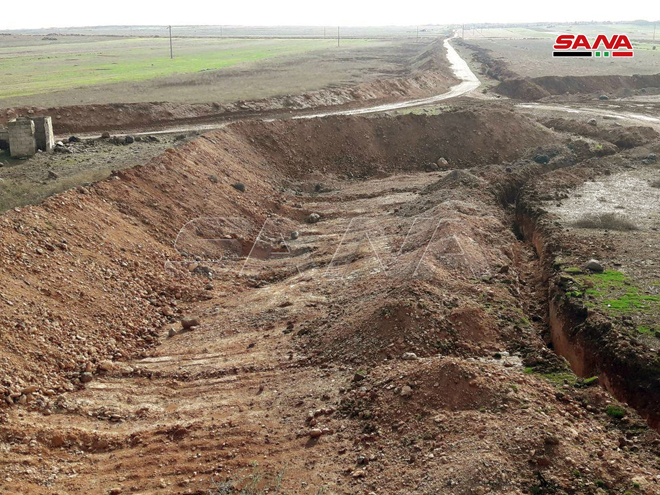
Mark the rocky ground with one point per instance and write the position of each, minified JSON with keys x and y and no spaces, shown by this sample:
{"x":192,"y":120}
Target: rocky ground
{"x":75,"y":162}
{"x":135,"y":360}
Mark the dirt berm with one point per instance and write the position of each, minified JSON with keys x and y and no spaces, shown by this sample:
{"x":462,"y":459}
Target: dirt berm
{"x":540,"y":87}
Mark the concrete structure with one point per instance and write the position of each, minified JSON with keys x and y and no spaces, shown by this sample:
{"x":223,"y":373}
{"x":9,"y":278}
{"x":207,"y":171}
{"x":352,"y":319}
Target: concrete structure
{"x":22,"y":140}
{"x":27,"y":135}
{"x":43,"y":131}
{"x":4,"y":138}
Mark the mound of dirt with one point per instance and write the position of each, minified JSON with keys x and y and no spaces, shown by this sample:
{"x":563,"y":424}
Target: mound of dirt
{"x":538,"y":87}
{"x":522,"y":89}
{"x":83,"y":277}
{"x":362,"y":147}
{"x":623,"y":137}
{"x":490,"y":67}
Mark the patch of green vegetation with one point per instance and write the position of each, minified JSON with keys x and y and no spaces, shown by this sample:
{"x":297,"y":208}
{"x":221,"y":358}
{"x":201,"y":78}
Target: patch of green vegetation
{"x":558,"y":378}
{"x":572,"y":269}
{"x":615,"y":412}
{"x":591,"y":381}
{"x":614,"y":293}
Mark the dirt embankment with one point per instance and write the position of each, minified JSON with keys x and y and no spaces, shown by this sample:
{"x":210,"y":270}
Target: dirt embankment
{"x":490,"y":66}
{"x":429,"y":75}
{"x":364,"y":147}
{"x":623,"y":137}
{"x":530,"y":89}
{"x":94,"y":256}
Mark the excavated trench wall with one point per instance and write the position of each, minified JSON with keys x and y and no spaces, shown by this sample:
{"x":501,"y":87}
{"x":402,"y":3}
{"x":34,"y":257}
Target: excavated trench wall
{"x":587,"y":340}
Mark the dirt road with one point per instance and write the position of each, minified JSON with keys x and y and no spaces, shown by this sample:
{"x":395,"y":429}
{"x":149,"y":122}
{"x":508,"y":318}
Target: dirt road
{"x":460,"y":69}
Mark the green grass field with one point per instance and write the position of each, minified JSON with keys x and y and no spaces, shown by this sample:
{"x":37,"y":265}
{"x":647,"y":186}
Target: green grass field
{"x":30,"y":65}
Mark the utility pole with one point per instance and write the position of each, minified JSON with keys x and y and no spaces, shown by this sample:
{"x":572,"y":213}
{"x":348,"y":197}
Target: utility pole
{"x":337,"y":36}
{"x":417,"y":34}
{"x":463,"y":36}
{"x":171,"y":52}
{"x":323,"y":32}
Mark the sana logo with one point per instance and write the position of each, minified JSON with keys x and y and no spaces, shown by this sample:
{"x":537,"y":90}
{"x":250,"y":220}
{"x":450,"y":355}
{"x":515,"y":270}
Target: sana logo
{"x":571,"y":45}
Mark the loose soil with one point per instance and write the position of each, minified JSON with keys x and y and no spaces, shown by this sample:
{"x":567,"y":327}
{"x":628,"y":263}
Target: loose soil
{"x":327,"y":378}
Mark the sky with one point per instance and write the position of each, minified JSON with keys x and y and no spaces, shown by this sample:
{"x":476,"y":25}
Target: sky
{"x":77,"y":13}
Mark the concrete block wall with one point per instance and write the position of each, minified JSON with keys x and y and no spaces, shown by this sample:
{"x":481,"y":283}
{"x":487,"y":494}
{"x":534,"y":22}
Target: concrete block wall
{"x":22,"y":140}
{"x":43,"y":132}
{"x":4,"y":138}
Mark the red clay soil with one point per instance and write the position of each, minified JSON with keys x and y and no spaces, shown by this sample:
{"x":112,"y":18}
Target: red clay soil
{"x":86,"y":266}
{"x":430,"y":76}
{"x":306,"y":377}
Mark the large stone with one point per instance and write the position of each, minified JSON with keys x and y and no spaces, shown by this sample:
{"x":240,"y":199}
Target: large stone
{"x":188,"y":323}
{"x":594,"y":266}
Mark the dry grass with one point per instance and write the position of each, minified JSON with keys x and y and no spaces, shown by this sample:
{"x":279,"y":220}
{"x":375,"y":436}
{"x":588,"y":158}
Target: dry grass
{"x":605,"y":221}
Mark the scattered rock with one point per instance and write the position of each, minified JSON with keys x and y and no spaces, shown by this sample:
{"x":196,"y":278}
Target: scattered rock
{"x":359,"y":376}
{"x":105,"y":135}
{"x":74,"y":139}
{"x":603,"y":97}
{"x":129,"y":140}
{"x":86,"y":377}
{"x":239,"y":186}
{"x":213,"y":178}
{"x":315,"y":433}
{"x":313,"y":218}
{"x":443,"y":163}
{"x":187,"y":323}
{"x":594,"y":266}
{"x":171,"y":333}
{"x":653,"y":157}
{"x":409,"y":356}
{"x":106,"y":365}
{"x":52,"y":175}
{"x":406,"y":391}
{"x":294,"y":235}
{"x":592,"y":122}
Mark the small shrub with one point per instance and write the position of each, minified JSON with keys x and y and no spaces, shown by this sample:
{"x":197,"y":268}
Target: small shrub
{"x":615,"y":412}
{"x":609,"y":221}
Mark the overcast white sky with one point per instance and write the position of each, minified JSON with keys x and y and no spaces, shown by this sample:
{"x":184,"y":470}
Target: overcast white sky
{"x":44,"y":14}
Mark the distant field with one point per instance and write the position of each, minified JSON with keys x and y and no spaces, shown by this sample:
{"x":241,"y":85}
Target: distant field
{"x":533,"y":58}
{"x":91,"y":69}
{"x":634,"y":31}
{"x":35,"y":67}
{"x":246,"y":31}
